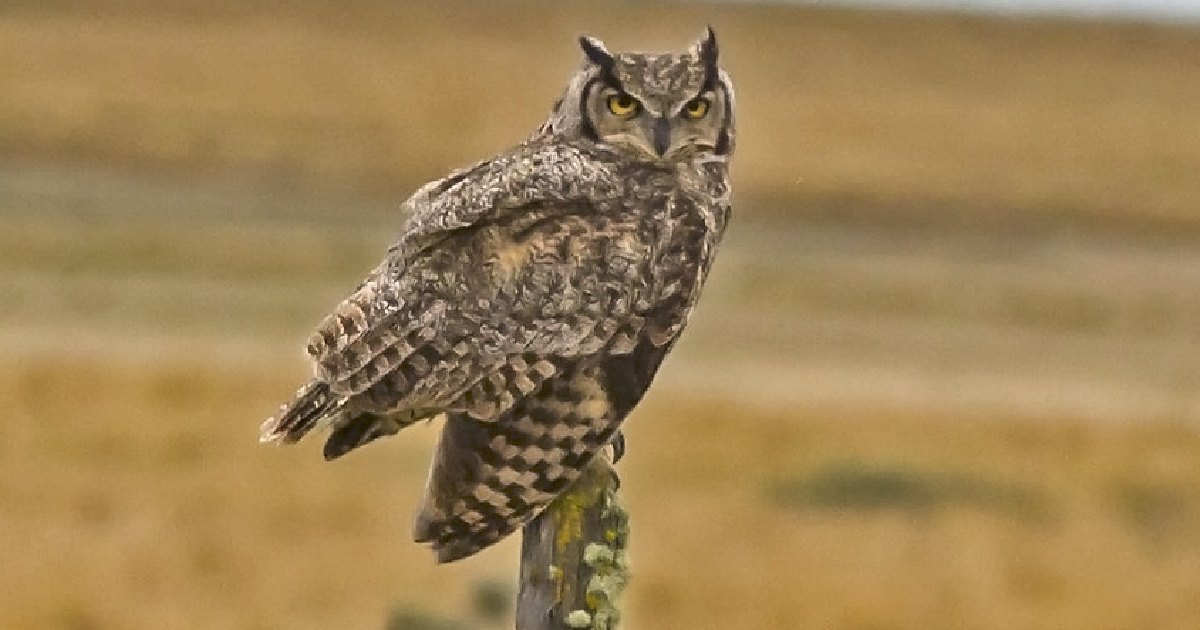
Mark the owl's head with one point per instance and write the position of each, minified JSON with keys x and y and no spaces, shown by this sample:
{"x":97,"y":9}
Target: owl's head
{"x":660,"y":107}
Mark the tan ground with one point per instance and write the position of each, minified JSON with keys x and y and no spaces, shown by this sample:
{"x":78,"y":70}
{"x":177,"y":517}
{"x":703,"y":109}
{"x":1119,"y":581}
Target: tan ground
{"x":957,"y":118}
{"x":135,"y":497}
{"x":949,"y":414}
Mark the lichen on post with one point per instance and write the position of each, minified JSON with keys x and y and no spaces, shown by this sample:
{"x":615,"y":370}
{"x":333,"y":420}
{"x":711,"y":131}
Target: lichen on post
{"x":573,"y":557}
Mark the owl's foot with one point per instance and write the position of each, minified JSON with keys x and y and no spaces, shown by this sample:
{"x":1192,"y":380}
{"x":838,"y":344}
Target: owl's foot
{"x":618,"y":446}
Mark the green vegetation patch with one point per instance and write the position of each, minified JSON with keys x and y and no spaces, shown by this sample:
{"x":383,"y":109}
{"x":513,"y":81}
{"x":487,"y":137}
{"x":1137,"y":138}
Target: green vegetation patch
{"x":862,"y":486}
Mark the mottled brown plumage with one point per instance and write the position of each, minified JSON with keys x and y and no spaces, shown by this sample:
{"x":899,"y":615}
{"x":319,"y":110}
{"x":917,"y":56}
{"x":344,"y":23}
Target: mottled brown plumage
{"x":532,"y":296}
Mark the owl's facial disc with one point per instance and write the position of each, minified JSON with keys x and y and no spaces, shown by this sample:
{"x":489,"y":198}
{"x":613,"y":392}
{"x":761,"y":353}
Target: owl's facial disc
{"x":661,"y":107}
{"x":658,"y":127}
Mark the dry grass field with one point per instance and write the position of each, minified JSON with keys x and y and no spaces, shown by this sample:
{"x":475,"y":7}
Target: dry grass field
{"x":135,"y":497}
{"x":946,"y":374}
{"x":961,"y":118}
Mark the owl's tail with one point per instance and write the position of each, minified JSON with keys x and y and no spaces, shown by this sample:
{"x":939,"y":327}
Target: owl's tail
{"x":490,"y":478}
{"x":311,"y":403}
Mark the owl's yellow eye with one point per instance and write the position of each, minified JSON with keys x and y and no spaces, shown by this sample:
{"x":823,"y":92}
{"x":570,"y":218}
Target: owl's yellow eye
{"x":623,"y":105}
{"x":696,"y":108}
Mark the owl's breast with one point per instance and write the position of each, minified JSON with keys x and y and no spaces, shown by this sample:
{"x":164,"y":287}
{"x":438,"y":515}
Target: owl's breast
{"x":690,"y":225}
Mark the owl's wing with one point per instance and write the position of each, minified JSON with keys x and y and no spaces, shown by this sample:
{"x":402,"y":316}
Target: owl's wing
{"x":501,"y":268}
{"x":485,"y":302}
{"x":482,"y":297}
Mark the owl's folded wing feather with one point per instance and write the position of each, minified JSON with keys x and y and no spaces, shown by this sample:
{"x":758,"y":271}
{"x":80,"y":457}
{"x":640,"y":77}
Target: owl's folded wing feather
{"x":481,"y":317}
{"x":487,"y":192}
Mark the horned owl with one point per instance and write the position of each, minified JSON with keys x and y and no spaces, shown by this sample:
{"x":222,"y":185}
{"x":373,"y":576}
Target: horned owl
{"x":532,"y":297}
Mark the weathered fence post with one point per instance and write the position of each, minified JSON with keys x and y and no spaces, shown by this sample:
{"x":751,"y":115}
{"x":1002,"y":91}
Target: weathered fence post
{"x":573,"y":560}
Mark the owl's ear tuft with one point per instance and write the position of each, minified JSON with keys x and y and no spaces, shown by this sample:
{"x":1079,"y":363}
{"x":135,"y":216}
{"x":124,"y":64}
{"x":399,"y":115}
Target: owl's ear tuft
{"x":706,"y":48}
{"x":597,"y":53}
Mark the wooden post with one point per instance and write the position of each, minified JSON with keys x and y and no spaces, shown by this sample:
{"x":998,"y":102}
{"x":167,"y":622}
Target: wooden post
{"x":573,"y":561}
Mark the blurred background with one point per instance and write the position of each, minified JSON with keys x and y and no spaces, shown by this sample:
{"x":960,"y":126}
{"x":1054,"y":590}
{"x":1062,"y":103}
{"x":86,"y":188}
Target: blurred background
{"x":946,"y":373}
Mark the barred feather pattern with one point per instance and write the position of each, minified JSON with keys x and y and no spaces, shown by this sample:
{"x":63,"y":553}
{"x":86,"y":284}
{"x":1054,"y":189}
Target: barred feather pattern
{"x":490,"y":478}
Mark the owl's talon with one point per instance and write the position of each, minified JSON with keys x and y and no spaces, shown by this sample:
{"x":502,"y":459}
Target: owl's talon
{"x":618,"y":446}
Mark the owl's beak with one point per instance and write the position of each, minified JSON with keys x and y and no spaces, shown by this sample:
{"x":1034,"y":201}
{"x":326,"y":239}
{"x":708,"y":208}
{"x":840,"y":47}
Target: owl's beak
{"x":662,"y":135}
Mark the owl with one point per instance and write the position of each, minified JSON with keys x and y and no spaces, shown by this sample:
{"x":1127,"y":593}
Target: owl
{"x":532,"y":297}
